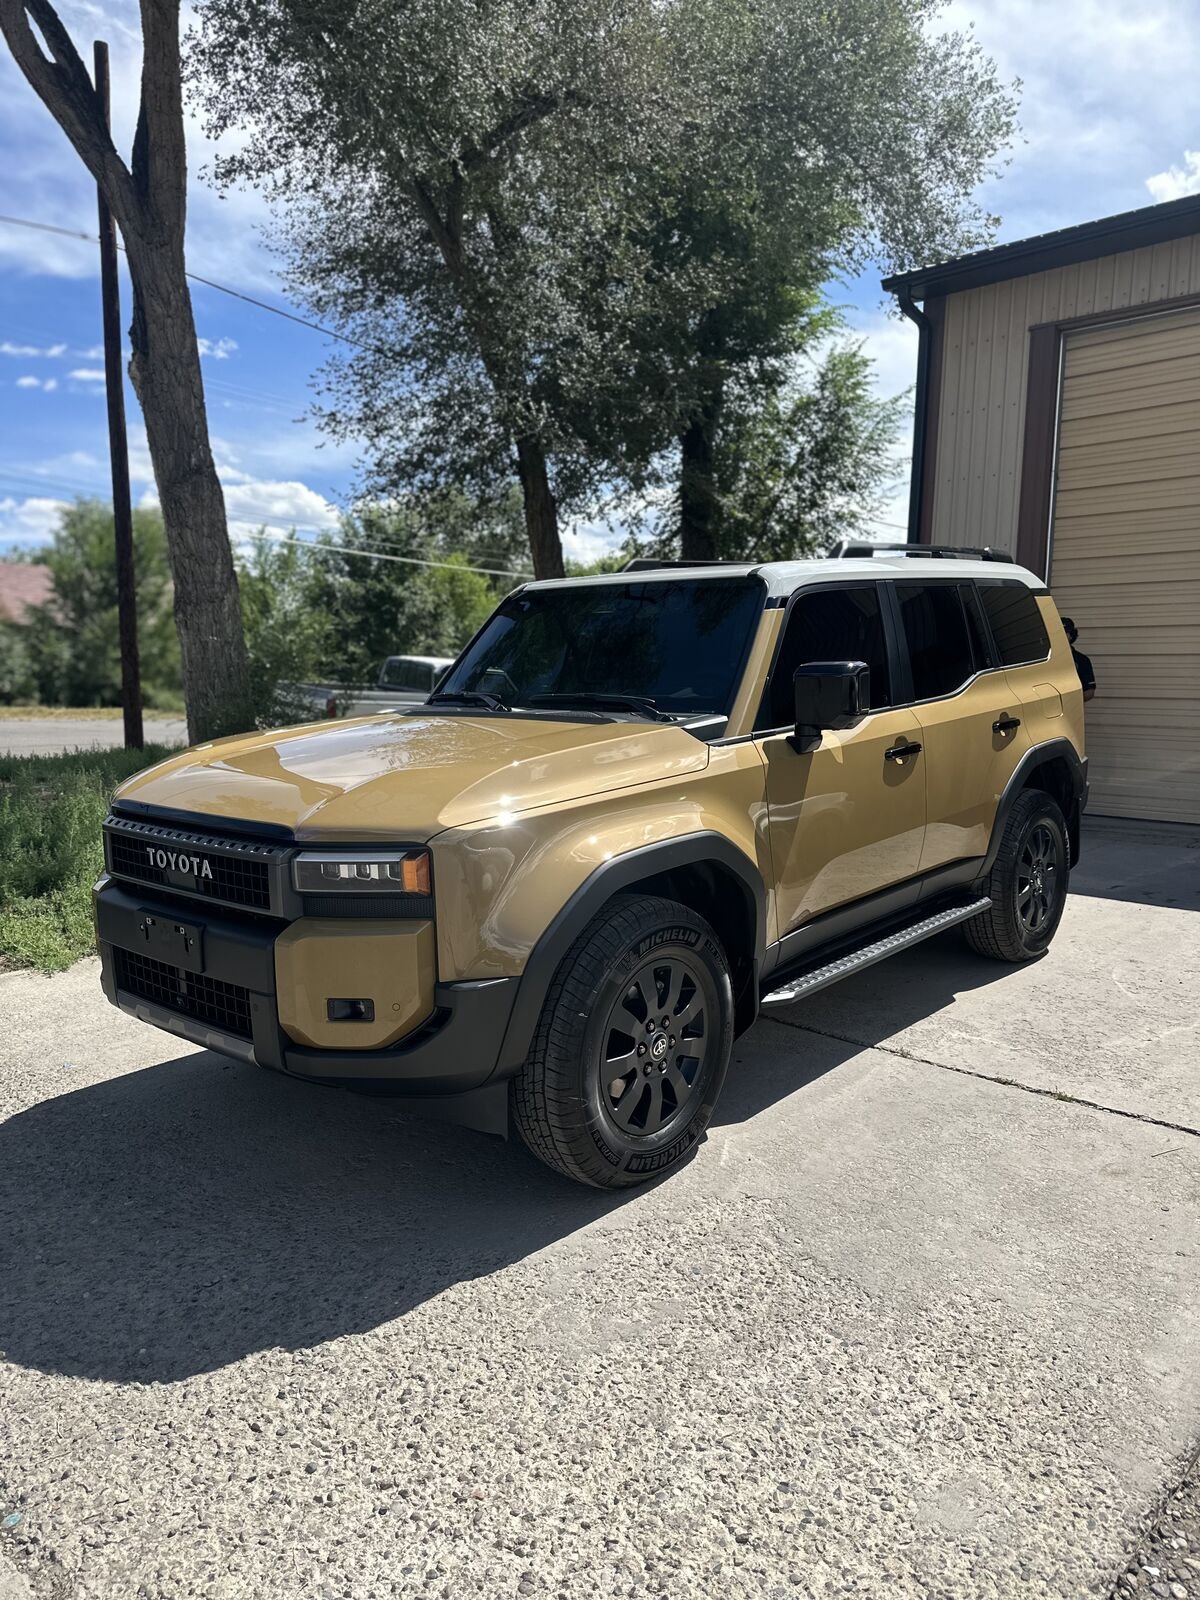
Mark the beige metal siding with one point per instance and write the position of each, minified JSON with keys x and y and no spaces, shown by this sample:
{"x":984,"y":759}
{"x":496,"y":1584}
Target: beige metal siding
{"x":1125,"y":556}
{"x":985,"y":360}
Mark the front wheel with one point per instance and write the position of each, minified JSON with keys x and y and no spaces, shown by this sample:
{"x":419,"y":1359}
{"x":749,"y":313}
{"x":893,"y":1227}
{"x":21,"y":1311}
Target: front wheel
{"x":1028,"y":883}
{"x":631,"y":1048}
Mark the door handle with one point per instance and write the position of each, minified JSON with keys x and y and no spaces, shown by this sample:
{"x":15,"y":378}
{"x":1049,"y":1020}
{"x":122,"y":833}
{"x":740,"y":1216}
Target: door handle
{"x":899,"y":751}
{"x":1005,"y":724}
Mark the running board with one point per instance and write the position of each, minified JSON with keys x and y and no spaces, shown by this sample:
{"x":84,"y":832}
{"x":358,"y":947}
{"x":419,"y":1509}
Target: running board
{"x":866,"y":956}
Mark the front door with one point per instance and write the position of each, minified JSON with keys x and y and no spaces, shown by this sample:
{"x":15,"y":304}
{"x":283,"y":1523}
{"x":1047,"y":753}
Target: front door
{"x":847,"y":818}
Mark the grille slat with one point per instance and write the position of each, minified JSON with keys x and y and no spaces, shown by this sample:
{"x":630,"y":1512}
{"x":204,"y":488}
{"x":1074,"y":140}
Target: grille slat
{"x":234,"y":881}
{"x":192,"y":994}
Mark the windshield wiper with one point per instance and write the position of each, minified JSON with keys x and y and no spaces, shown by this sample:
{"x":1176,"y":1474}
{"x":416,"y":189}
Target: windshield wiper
{"x":642,"y":704}
{"x":467,"y":697}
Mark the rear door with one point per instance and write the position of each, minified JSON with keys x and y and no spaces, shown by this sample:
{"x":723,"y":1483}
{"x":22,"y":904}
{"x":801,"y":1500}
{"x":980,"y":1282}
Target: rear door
{"x":972,"y":728}
{"x":845,"y":819}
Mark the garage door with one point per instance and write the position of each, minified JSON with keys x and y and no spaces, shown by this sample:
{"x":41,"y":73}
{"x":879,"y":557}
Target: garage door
{"x":1125,"y":556}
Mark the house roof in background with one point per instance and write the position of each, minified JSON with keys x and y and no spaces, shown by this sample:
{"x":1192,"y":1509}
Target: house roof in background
{"x":1129,"y":230}
{"x":22,"y":585}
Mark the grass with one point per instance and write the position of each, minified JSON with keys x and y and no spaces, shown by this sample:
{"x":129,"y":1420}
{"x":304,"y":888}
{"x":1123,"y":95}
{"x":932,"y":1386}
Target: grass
{"x":51,"y":809}
{"x":77,"y":713}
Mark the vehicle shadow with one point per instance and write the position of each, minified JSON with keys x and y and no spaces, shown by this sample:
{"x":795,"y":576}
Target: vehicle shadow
{"x":175,"y":1219}
{"x":1144,"y":863}
{"x":172,"y":1220}
{"x":855,"y":1014}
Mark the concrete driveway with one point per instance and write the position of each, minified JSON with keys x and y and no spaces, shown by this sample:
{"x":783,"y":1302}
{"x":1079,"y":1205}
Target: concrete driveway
{"x":921,"y":1319}
{"x":50,"y":736}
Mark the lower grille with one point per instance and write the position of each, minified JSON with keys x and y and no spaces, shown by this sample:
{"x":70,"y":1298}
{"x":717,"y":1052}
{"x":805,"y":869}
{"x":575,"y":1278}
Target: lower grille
{"x":224,"y":1005}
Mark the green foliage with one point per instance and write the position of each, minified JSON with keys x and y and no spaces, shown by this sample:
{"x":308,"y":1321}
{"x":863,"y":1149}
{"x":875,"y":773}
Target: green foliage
{"x":591,"y":224}
{"x":18,"y":681}
{"x":800,"y":466}
{"x":67,"y":651}
{"x":51,"y":810}
{"x":394,"y":579}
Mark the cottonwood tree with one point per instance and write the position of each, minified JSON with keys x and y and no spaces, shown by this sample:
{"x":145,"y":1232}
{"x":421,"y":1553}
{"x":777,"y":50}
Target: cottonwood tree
{"x":148,"y":199}
{"x":423,"y":148}
{"x":832,"y":134}
{"x":564,"y":233}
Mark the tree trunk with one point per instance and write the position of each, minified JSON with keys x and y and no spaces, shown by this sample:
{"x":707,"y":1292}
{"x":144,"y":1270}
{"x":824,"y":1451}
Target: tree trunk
{"x":148,"y":200}
{"x":699,"y":509}
{"x":165,"y":370}
{"x":541,"y":510}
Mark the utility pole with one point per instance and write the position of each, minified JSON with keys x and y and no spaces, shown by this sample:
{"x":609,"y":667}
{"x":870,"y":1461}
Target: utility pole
{"x":118,"y":449}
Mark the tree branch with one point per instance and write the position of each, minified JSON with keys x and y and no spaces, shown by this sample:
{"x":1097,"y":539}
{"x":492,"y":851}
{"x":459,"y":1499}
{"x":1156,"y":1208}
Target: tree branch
{"x":159,"y":168}
{"x":61,"y":82}
{"x":536,"y":107}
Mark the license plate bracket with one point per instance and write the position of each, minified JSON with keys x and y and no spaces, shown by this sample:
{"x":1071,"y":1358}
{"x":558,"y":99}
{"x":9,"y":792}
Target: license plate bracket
{"x":170,"y":939}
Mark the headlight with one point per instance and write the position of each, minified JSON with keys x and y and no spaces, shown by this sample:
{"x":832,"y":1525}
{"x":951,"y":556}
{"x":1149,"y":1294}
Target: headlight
{"x":363,"y":872}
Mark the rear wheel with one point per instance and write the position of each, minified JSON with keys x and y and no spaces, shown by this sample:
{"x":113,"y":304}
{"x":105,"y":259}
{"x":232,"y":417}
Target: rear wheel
{"x":631,"y":1048}
{"x":1028,"y":883}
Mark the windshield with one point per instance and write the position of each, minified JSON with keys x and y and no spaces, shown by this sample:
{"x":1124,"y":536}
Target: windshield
{"x":678,"y":645}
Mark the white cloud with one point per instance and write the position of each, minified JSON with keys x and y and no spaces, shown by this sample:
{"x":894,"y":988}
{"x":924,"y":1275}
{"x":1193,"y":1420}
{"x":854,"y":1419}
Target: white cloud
{"x":28,"y":381}
{"x":29,"y":521}
{"x":87,"y":375}
{"x":7,"y":348}
{"x":50,"y":184}
{"x":253,"y":503}
{"x":1176,"y":182}
{"x":282,"y":504}
{"x":94,"y":352}
{"x":219,"y":349}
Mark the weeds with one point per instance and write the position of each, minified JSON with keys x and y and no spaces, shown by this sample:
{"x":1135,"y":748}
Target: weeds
{"x":51,"y":809}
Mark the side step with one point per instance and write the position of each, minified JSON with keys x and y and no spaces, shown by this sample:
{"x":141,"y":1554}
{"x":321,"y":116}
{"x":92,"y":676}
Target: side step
{"x":868,"y":954}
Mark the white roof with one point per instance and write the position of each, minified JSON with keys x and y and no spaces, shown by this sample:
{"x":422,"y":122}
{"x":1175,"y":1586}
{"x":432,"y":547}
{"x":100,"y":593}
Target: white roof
{"x":782,"y":577}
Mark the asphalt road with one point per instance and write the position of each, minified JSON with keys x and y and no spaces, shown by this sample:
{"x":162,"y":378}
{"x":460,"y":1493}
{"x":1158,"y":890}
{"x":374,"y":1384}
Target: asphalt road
{"x":48,"y":736}
{"x":922,"y":1319}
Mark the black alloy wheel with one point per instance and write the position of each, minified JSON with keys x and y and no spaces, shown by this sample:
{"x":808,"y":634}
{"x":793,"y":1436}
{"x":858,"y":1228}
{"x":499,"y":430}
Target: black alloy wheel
{"x":631,"y":1048}
{"x":1027,"y":883}
{"x":655,"y":1054}
{"x":1039,"y":869}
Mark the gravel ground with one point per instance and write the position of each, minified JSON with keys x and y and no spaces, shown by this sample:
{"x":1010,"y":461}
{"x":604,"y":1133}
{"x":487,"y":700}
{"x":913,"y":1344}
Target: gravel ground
{"x":1167,"y":1562}
{"x":900,"y":1331}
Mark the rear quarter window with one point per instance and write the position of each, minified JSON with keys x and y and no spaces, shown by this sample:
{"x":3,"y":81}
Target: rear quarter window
{"x":1016,"y":623}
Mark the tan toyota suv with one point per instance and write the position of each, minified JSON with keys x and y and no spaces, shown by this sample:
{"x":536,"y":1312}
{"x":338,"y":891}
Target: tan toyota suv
{"x":637,"y":807}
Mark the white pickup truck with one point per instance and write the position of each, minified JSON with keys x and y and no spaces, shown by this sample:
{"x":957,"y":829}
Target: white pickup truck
{"x":403,"y":681}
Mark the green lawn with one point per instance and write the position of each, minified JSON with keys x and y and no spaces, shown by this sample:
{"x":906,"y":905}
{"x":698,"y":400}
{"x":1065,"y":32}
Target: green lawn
{"x":51,"y":808}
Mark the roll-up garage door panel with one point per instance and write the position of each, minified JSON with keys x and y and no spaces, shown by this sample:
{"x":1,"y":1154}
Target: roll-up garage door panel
{"x":1126,"y":556}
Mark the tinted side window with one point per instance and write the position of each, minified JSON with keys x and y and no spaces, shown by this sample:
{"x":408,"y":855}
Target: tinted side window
{"x":400,"y":673}
{"x":828,"y":625}
{"x":935,"y":629}
{"x":976,"y":626}
{"x":1017,"y":625}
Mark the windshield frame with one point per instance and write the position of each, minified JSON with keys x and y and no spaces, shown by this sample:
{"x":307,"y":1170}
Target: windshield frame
{"x":587,"y":712}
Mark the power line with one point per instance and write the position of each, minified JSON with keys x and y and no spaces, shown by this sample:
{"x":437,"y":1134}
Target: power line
{"x":378,"y":555}
{"x":209,"y":283}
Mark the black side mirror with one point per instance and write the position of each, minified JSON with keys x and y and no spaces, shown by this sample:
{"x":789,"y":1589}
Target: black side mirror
{"x":830,"y":694}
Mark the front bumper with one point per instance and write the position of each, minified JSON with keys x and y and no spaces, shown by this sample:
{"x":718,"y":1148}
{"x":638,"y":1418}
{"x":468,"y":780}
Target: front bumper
{"x":453,"y":1053}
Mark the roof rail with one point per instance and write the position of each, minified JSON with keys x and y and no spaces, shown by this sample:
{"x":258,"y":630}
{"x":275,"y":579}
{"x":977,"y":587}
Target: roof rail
{"x":858,"y":547}
{"x":654,"y":564}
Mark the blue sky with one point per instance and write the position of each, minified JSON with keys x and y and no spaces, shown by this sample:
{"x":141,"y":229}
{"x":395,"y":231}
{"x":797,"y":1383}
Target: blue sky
{"x":1110,"y":120}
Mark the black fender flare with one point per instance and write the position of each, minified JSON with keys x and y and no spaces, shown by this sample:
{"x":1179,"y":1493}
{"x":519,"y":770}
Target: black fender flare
{"x":1040,"y":755}
{"x":609,"y":879}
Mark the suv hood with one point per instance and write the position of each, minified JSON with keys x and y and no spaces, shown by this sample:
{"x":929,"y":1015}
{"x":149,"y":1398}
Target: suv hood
{"x":408,"y":777}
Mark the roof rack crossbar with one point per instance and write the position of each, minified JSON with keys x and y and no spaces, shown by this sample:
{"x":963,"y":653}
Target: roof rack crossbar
{"x":855,"y":547}
{"x":654,"y":564}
